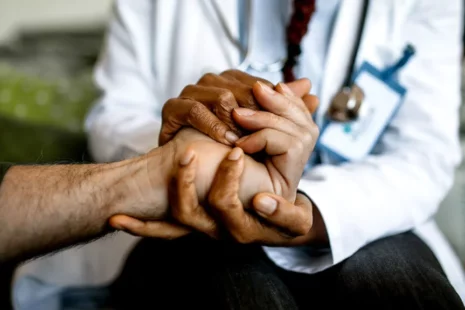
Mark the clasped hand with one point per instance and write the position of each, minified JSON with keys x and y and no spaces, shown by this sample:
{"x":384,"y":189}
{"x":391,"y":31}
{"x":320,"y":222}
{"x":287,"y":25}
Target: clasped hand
{"x":236,"y":174}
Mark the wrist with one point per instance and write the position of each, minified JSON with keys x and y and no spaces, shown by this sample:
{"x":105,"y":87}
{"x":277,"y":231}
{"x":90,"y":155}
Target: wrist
{"x":317,"y":235}
{"x":140,"y":186}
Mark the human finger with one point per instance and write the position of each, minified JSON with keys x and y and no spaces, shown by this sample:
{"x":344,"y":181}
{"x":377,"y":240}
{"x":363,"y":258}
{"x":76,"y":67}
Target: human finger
{"x":178,"y":113}
{"x":242,"y":92}
{"x":244,"y":77}
{"x":220,"y":101}
{"x":256,"y":120}
{"x":272,"y":141}
{"x":295,"y":218}
{"x":185,"y":207}
{"x":149,"y":229}
{"x":241,"y":225}
{"x":224,"y":201}
{"x":282,"y":103}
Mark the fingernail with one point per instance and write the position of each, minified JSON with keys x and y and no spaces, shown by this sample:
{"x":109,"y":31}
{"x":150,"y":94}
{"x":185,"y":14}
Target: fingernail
{"x":266,"y":88}
{"x":266,"y":205}
{"x":231,"y":136}
{"x":235,"y":154}
{"x":285,"y":88}
{"x":186,"y":159}
{"x":244,"y":111}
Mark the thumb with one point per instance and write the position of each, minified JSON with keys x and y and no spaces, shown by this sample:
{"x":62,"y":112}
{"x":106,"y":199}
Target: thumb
{"x":296,"y":219}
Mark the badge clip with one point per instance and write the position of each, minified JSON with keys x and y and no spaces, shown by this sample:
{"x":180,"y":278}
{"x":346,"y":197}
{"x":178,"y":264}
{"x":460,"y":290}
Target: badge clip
{"x":391,"y":71}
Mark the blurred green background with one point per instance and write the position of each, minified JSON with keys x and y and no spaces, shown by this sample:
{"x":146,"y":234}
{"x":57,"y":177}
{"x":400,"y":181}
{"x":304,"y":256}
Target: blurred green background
{"x":46,"y":89}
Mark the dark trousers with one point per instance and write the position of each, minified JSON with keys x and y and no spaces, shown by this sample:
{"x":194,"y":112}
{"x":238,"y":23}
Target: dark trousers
{"x":194,"y":272}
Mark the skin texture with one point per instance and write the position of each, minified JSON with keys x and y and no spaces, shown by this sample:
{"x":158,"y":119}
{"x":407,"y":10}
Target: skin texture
{"x":286,"y":133}
{"x":45,"y":208}
{"x":208,"y":105}
{"x":68,"y":205}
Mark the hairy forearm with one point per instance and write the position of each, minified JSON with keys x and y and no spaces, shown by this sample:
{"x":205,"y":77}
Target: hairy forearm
{"x":45,"y":208}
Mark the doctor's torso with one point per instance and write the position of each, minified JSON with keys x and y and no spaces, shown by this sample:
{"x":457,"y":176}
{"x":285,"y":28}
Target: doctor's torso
{"x":189,"y":40}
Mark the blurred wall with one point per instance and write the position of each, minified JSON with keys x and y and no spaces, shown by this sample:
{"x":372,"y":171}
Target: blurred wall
{"x":49,"y":14}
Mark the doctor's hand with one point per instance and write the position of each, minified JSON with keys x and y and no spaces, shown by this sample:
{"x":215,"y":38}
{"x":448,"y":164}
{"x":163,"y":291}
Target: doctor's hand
{"x":208,"y":105}
{"x":284,"y":131}
{"x":287,"y":140}
{"x":271,"y":220}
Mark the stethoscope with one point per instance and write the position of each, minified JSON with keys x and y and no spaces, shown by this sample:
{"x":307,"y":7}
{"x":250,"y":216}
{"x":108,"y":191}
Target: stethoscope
{"x":346,"y":104}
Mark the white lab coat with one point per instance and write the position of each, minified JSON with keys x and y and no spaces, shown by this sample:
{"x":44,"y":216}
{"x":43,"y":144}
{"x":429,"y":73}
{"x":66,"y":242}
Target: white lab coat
{"x":155,"y":48}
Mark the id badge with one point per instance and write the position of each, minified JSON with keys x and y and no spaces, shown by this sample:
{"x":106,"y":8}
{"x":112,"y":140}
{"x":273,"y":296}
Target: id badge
{"x":354,"y":140}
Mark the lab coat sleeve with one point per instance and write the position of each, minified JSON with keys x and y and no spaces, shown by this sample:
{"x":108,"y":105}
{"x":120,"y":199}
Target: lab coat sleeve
{"x":125,"y":121}
{"x":402,"y":186}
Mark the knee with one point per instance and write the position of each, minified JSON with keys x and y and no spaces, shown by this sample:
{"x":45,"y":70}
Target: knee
{"x":253,"y":286}
{"x":385,"y":273}
{"x":378,"y":279}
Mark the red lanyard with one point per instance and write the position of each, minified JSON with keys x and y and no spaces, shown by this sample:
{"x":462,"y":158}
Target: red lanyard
{"x":298,"y":27}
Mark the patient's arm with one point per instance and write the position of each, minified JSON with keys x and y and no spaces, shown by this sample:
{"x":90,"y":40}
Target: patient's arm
{"x":210,"y":154}
{"x":46,"y":208}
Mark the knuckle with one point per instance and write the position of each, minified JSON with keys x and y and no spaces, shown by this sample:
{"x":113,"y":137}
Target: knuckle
{"x":211,"y":230}
{"x":289,"y":102}
{"x":188,"y":89}
{"x":226,"y":102}
{"x":186,"y":181}
{"x":298,"y":145}
{"x":222,"y":200}
{"x":297,"y":148}
{"x":314,"y":130}
{"x":226,"y":99}
{"x":307,"y":140}
{"x":207,"y":79}
{"x":217,"y":128}
{"x":247,"y":98}
{"x":242,"y":237}
{"x":196,"y":110}
{"x":230,"y":72}
{"x":167,"y":107}
{"x":303,"y":227}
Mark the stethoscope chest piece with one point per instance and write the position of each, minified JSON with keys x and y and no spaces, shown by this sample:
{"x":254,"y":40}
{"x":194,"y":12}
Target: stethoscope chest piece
{"x":346,"y":104}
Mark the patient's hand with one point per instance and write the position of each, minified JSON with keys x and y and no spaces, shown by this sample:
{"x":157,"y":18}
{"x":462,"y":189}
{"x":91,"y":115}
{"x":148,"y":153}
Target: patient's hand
{"x":210,"y":154}
{"x":160,"y":169}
